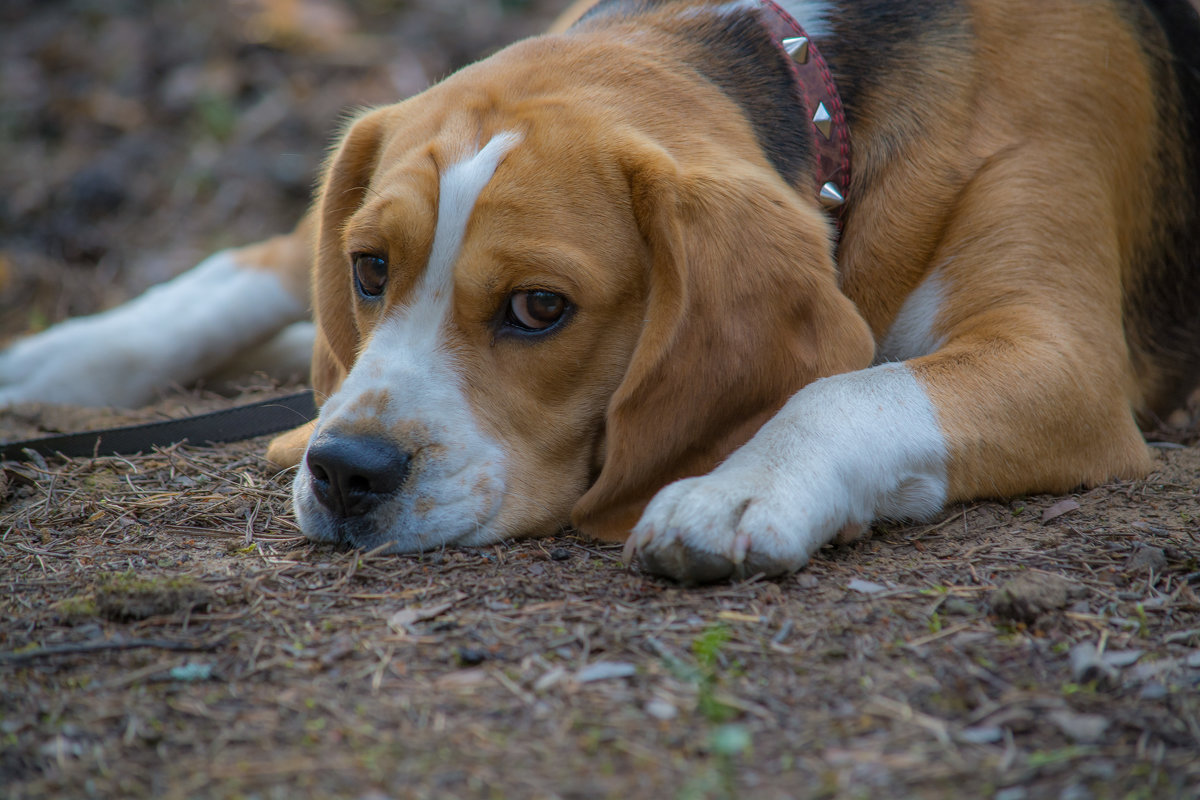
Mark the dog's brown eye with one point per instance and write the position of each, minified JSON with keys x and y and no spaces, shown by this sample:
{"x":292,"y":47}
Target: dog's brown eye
{"x":535,"y":310}
{"x":370,"y":274}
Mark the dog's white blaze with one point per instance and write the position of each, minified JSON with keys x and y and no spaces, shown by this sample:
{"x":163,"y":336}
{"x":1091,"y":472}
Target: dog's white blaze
{"x":911,"y":334}
{"x":844,"y":450}
{"x":407,"y":361}
{"x":458,"y":189}
{"x":174,"y":333}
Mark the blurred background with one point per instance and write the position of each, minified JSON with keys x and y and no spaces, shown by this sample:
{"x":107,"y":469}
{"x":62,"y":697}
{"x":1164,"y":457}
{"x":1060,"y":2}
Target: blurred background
{"x":138,"y":136}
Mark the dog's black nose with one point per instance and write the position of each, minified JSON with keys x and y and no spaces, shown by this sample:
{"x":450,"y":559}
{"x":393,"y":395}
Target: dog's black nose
{"x":352,"y":474}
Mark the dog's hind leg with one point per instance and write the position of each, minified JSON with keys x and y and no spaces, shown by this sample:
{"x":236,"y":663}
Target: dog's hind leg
{"x":174,"y":334}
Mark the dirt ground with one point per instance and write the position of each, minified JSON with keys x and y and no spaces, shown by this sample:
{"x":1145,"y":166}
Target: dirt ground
{"x":164,"y":632}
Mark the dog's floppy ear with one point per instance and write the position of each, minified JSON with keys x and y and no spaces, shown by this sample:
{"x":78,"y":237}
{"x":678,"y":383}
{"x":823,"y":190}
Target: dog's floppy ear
{"x":288,"y":448}
{"x":742,"y":310}
{"x":347,"y":178}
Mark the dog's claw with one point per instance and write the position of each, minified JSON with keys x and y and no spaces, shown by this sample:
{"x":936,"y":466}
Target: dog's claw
{"x":687,"y":565}
{"x":631,"y":549}
{"x":741,"y":545}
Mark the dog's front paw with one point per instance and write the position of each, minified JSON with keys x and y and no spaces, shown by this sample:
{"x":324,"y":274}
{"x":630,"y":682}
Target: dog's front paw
{"x":731,"y":524}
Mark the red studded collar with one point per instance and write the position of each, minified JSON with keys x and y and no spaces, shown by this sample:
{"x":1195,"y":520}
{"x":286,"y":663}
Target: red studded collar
{"x":831,"y":133}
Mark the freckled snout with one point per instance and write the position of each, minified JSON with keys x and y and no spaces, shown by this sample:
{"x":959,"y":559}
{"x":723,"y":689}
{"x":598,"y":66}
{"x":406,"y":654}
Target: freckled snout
{"x":351,"y":475}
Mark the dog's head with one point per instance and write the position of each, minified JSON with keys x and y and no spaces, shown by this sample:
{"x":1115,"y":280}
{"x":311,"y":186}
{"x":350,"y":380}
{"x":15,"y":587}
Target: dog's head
{"x":543,"y":292}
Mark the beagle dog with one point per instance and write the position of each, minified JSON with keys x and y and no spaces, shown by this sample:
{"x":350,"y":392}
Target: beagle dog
{"x":723,"y":280}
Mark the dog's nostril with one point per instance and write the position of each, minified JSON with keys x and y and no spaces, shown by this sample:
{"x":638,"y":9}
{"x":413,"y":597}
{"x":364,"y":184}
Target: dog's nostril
{"x":352,"y":474}
{"x":358,"y":484}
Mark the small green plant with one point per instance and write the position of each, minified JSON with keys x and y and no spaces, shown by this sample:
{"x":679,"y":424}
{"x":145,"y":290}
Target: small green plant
{"x":216,"y":115}
{"x":727,"y":742}
{"x":1070,"y":688}
{"x":707,"y":650}
{"x":1143,"y":621}
{"x":1043,"y":758}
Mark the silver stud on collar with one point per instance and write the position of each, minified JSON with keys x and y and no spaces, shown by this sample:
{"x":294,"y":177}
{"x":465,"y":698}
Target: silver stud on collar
{"x":823,"y":121}
{"x":797,"y":48}
{"x":831,"y":196}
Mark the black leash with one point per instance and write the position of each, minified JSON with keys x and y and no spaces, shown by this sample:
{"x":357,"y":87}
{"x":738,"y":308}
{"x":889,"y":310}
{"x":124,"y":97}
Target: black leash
{"x":230,"y":425}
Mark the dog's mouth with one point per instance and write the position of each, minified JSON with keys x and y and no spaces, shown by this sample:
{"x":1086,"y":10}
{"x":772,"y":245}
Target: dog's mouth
{"x":361,"y":534}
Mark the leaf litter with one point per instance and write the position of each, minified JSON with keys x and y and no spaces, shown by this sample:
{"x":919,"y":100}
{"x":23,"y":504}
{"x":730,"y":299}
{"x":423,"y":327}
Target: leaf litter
{"x":333,"y":672}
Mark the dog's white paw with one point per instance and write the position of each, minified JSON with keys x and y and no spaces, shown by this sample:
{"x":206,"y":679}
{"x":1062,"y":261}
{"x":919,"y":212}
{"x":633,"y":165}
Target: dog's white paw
{"x":842,"y":452}
{"x":731,"y":524}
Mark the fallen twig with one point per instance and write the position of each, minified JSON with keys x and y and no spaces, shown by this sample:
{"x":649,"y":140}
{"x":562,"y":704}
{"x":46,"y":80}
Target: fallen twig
{"x":20,"y":657}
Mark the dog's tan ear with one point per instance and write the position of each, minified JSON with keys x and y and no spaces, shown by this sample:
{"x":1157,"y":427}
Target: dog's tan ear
{"x":347,"y":179}
{"x":743,"y":309}
{"x":347,"y":176}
